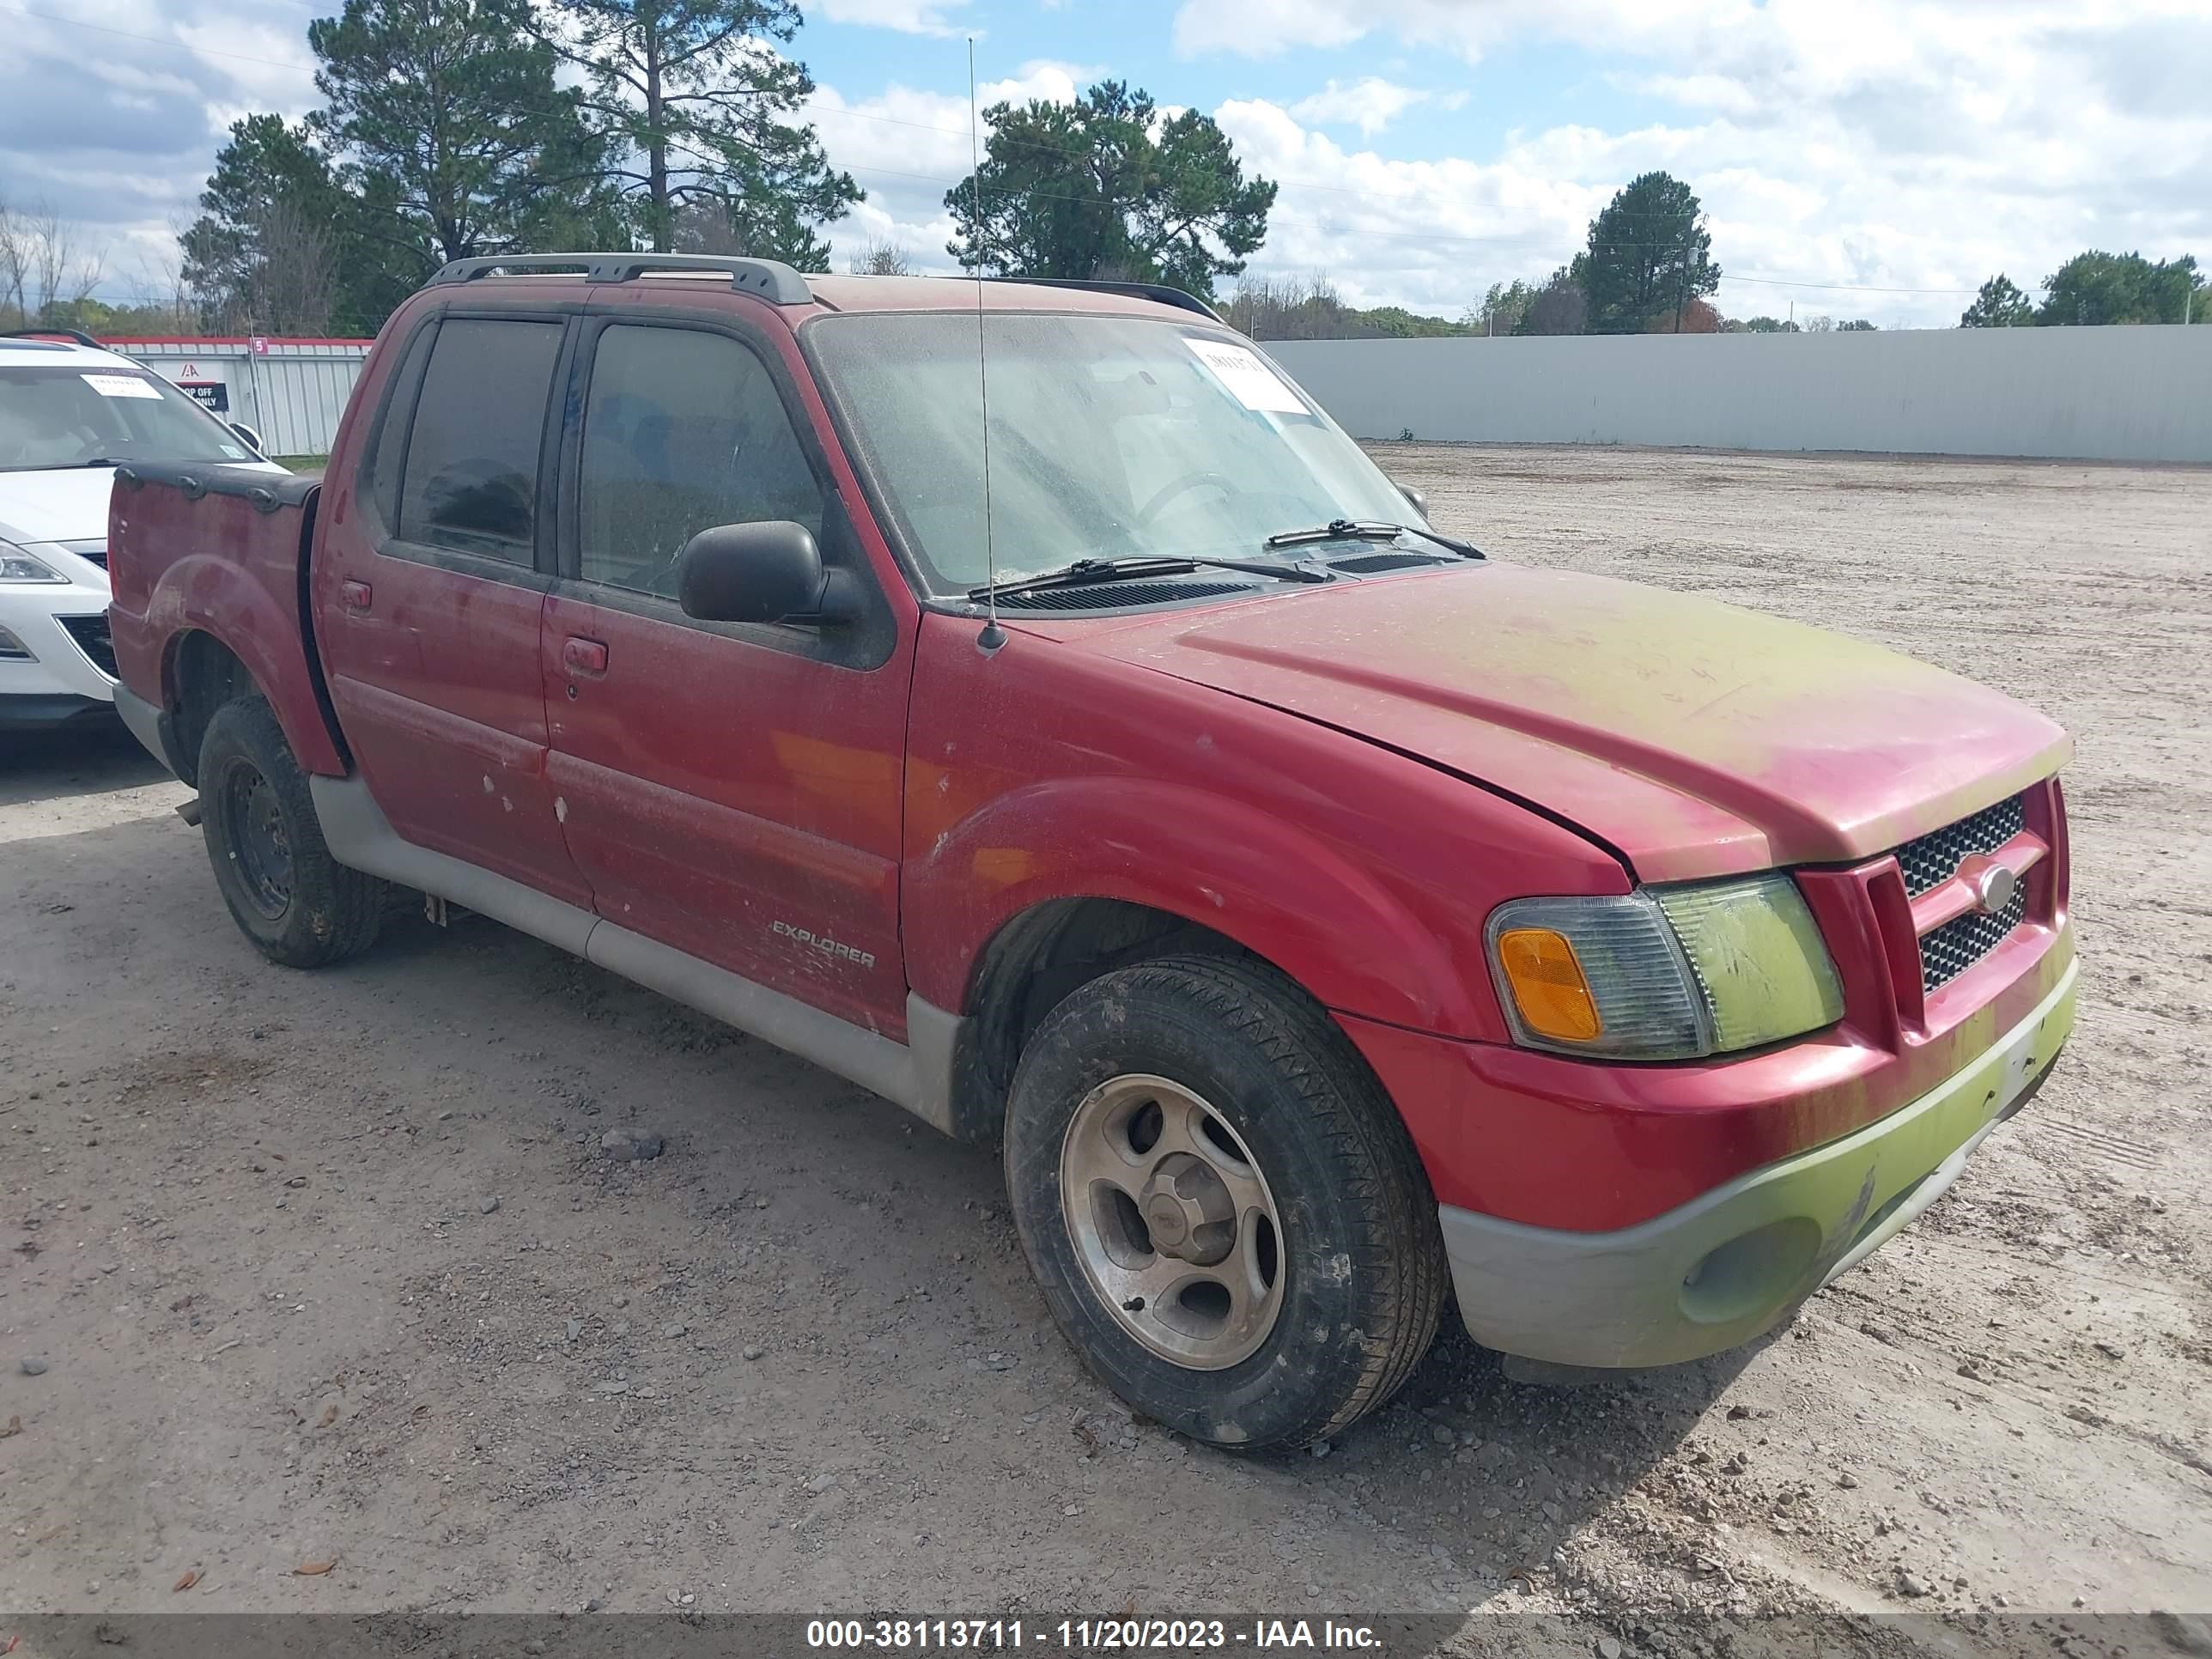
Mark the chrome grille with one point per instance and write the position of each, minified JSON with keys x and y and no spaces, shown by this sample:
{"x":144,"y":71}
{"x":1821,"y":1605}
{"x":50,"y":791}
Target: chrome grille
{"x":1948,"y":951}
{"x":1934,"y":859}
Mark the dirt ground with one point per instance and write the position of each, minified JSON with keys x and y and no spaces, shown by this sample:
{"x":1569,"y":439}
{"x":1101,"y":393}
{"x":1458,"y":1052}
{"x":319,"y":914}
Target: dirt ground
{"x":796,"y":1362}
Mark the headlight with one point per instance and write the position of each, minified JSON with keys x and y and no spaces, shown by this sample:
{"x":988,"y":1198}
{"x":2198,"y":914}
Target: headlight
{"x":1664,"y":973}
{"x":17,"y":566}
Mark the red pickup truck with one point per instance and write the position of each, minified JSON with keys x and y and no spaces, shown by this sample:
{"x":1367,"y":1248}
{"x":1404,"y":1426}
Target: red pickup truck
{"x":1021,"y":700}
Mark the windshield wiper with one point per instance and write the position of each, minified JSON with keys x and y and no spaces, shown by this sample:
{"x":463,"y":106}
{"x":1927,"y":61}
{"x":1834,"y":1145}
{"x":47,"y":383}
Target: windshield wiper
{"x":1368,"y":530}
{"x":99,"y":460}
{"x":1084,"y":572}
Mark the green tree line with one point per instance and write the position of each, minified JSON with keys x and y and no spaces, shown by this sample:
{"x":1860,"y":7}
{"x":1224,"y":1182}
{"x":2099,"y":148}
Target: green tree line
{"x":2097,"y":287}
{"x":447,"y":129}
{"x":453,"y":128}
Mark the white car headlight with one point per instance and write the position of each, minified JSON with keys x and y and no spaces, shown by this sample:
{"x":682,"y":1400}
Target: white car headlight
{"x":17,"y":566}
{"x":1664,"y":973}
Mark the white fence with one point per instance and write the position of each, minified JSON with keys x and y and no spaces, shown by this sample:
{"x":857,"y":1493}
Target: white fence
{"x":291,"y":392}
{"x":2120,"y":394}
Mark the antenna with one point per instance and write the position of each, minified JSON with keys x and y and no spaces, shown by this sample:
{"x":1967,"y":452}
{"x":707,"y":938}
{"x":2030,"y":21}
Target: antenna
{"x":993,"y":635}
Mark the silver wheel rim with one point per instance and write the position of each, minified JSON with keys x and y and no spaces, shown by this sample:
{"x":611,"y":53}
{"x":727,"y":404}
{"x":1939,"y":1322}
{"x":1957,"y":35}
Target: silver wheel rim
{"x":1172,"y":1221}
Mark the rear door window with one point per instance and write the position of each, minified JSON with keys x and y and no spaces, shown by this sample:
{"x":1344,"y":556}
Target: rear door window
{"x":471,"y":484}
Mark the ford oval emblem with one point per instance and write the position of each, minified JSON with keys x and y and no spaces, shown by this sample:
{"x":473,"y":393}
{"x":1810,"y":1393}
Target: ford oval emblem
{"x":1995,"y":888}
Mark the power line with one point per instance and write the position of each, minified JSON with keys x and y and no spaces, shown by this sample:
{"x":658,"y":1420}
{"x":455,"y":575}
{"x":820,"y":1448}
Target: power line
{"x":842,"y":112}
{"x":161,"y":41}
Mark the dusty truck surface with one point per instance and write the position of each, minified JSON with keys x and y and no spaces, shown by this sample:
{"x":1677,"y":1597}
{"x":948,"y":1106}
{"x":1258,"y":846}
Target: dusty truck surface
{"x":1326,"y":920}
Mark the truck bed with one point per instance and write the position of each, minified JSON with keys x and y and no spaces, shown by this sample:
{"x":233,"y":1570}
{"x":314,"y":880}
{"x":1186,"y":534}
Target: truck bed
{"x":219,"y":552}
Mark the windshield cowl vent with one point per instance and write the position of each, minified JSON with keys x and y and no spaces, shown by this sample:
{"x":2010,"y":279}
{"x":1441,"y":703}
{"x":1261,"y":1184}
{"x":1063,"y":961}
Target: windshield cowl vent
{"x":1108,"y":596}
{"x":1371,"y":564}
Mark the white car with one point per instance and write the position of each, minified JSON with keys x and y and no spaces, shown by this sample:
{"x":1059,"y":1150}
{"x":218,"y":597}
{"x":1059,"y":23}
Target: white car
{"x":71,"y":412}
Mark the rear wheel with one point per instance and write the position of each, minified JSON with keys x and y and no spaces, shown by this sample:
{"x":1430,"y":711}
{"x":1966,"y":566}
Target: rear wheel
{"x":1224,"y":1211}
{"x":297,"y":903}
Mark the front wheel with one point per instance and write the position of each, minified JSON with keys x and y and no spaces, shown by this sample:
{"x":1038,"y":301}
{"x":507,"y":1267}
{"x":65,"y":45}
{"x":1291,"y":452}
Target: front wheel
{"x":298,"y":904}
{"x":1224,"y":1211}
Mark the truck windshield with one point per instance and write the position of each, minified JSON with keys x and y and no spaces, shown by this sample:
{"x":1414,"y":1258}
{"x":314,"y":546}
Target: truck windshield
{"x":78,"y":415}
{"x":1110,"y":437}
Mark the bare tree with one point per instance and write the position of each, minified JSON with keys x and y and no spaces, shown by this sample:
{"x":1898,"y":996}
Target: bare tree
{"x":42,"y":267}
{"x":16,"y":259}
{"x":12,"y":271}
{"x":299,"y":275}
{"x":273,"y":270}
{"x":1560,"y":307}
{"x":159,"y":291}
{"x":704,"y":226}
{"x":880,"y":259}
{"x":1291,"y":308}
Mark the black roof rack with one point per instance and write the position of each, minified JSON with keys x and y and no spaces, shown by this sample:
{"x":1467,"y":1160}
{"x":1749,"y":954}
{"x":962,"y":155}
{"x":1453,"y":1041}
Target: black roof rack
{"x":1159,"y":291}
{"x":770,"y":278}
{"x":76,"y":334}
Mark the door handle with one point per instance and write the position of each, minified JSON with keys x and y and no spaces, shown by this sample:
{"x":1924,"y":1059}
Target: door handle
{"x":585,"y":656}
{"x":355,"y":595}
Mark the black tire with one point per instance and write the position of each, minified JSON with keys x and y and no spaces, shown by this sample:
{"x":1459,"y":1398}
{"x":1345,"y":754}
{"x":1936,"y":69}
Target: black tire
{"x":299,"y":905}
{"x":1362,"y":1260}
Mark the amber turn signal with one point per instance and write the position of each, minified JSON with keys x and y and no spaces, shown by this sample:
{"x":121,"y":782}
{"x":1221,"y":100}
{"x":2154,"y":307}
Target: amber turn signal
{"x":1548,"y":987}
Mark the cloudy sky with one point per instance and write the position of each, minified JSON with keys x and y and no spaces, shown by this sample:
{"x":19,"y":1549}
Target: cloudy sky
{"x":1875,"y":159}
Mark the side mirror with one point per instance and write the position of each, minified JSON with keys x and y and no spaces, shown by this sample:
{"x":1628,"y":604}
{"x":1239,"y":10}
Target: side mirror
{"x":250,"y":438}
{"x":764,"y":572}
{"x":1421,"y":502}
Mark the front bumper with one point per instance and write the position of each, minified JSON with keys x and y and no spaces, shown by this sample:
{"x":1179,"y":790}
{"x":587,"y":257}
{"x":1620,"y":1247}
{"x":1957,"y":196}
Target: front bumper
{"x":1730,"y":1265}
{"x":61,"y":678}
{"x":42,"y":711}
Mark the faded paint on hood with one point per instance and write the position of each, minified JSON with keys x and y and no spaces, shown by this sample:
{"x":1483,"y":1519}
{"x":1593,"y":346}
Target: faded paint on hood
{"x":1696,"y":738}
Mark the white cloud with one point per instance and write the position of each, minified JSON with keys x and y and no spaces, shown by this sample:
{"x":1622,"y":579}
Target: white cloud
{"x":1267,"y":29}
{"x":1890,"y":144}
{"x":906,"y":147}
{"x":110,"y":115}
{"x":1369,"y":103}
{"x":269,"y":67}
{"x":1430,"y":234}
{"x":908,"y":16}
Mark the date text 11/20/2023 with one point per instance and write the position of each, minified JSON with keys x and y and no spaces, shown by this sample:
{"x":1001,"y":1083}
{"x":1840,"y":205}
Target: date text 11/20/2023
{"x":1088,"y":1635}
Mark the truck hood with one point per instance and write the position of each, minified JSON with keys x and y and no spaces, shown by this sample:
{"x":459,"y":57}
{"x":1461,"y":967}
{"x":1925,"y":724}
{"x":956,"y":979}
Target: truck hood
{"x":63,"y":505}
{"x":1693,"y":738}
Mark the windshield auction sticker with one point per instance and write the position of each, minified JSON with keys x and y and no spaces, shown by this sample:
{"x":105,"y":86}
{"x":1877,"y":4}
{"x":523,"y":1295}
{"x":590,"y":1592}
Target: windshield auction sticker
{"x":1248,"y":379}
{"x":120,"y":385}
